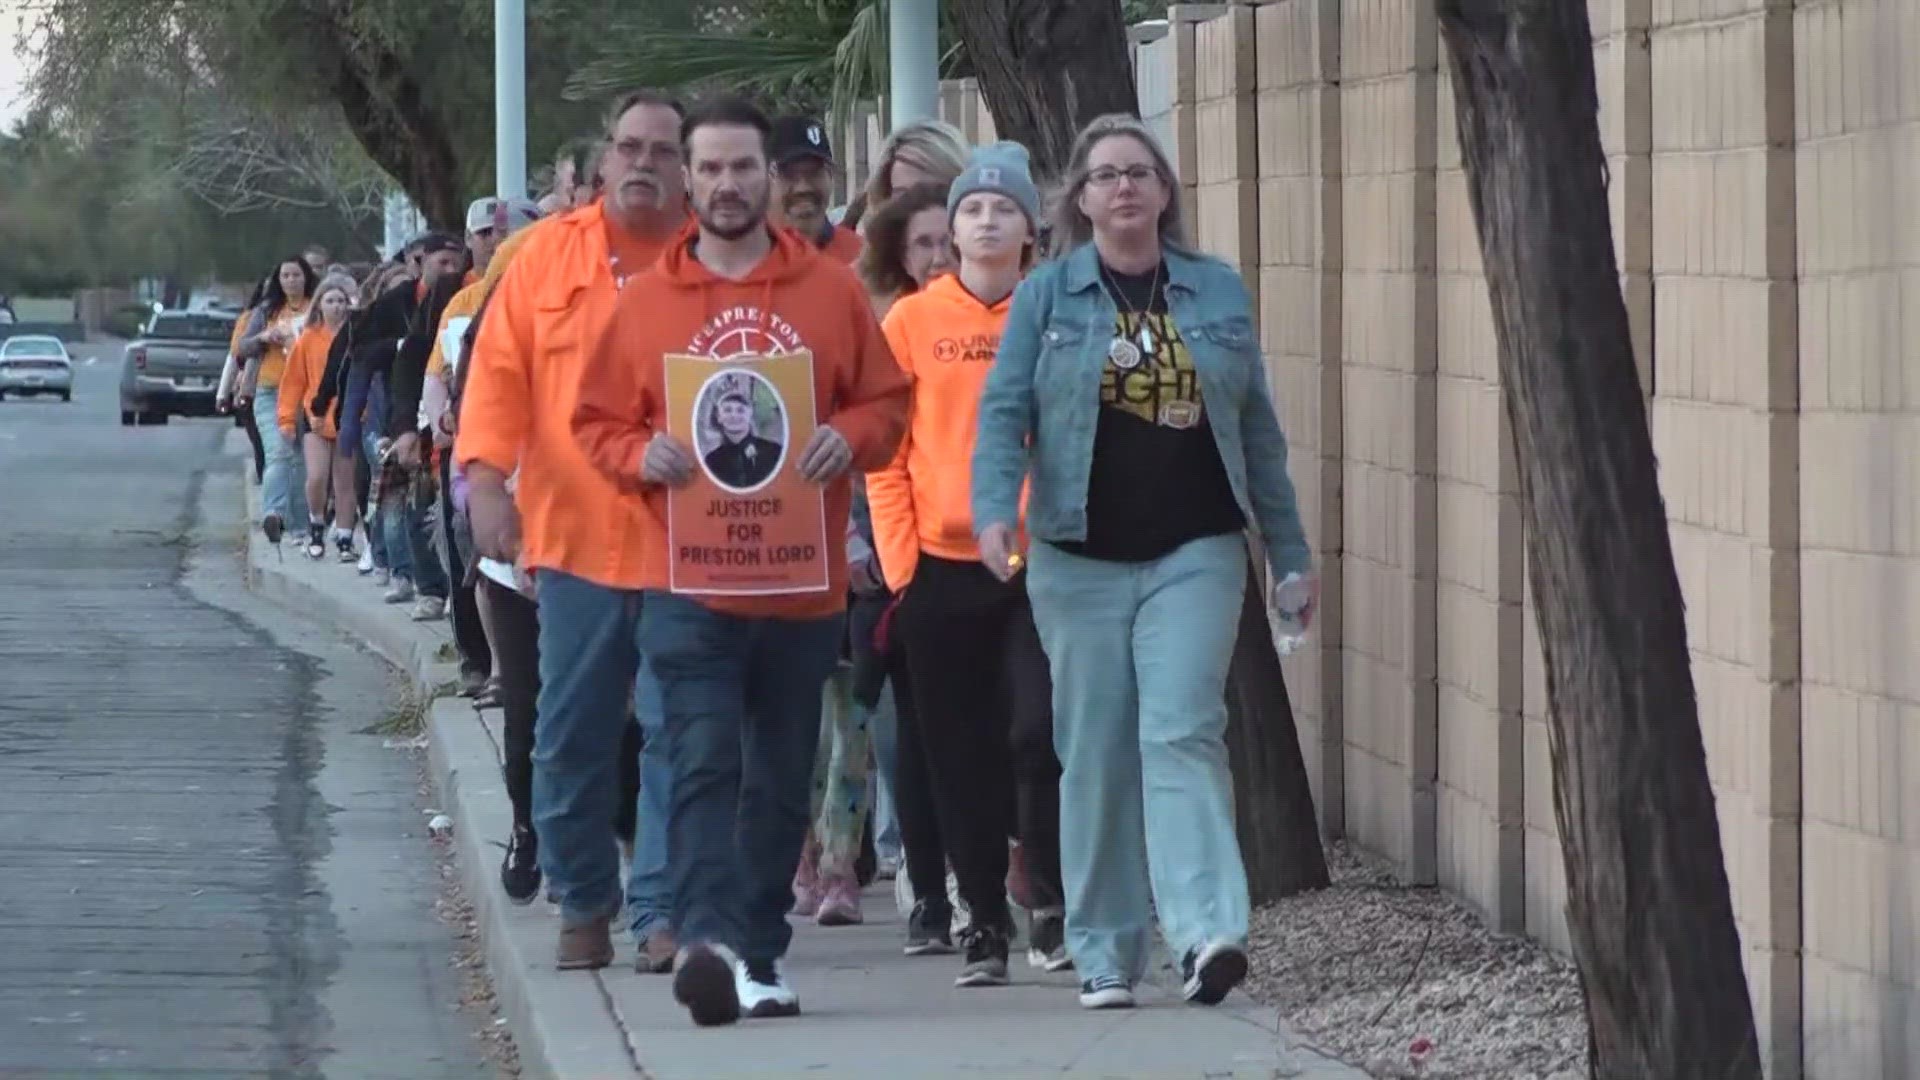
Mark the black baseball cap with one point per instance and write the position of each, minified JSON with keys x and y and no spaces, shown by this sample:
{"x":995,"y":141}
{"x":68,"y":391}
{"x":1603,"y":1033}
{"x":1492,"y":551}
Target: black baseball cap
{"x":795,"y":137}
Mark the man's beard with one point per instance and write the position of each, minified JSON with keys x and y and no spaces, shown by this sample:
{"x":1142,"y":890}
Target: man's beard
{"x":755,"y":219}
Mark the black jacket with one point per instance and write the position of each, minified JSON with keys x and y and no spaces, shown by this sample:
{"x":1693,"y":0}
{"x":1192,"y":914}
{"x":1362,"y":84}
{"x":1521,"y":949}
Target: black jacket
{"x":367,"y":343}
{"x":407,"y":376}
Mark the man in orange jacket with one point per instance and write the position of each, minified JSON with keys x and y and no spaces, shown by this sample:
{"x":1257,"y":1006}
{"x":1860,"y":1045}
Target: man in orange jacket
{"x":569,"y":527}
{"x":741,"y":676}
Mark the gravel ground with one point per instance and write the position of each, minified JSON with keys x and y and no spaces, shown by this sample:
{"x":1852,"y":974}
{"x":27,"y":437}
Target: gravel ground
{"x":1405,"y":981}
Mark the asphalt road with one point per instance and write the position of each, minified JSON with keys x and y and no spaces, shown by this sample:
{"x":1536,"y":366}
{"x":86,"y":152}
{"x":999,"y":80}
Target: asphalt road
{"x":206,"y":867}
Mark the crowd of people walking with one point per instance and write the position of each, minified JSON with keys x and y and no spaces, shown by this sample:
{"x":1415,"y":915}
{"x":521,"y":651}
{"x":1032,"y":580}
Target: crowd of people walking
{"x":1015,"y":445}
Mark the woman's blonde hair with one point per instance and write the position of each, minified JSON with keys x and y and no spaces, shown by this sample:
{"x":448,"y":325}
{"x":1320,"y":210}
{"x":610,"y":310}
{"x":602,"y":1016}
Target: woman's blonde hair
{"x":340,"y":282}
{"x":935,"y":147}
{"x":1071,"y":228}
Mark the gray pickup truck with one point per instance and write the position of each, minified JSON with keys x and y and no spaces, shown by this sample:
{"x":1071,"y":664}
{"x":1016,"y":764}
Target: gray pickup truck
{"x":173,"y":368}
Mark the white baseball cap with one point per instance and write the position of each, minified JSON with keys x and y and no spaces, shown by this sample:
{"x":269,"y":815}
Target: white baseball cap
{"x":484,"y":214}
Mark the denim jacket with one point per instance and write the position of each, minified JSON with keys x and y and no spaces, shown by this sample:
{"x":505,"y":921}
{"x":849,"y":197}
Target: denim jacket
{"x":1042,"y":400}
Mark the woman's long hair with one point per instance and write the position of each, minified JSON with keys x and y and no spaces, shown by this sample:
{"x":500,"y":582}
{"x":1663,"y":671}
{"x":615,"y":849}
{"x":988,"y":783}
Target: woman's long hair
{"x":932,"y":146}
{"x":1071,"y":228}
{"x":340,"y":284}
{"x":276,"y":297}
{"x":883,"y":262}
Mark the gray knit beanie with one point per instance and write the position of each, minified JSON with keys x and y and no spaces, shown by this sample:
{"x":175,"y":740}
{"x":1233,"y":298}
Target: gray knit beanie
{"x":1003,"y":168}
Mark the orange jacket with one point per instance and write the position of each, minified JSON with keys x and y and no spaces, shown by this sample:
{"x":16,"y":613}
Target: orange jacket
{"x":524,"y":378}
{"x":797,"y":298}
{"x":306,"y":361}
{"x":946,"y":339}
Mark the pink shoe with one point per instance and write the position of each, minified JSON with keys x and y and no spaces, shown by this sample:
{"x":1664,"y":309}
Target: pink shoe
{"x":806,"y":888}
{"x":840,"y":904}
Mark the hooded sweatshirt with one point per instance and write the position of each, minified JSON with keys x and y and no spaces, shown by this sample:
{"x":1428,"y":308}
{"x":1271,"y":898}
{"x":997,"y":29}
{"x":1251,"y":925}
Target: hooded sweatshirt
{"x":945,"y":338}
{"x":305,"y":362}
{"x":796,"y":298}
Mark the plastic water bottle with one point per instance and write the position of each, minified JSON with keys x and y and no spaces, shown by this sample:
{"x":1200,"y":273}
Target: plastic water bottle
{"x":1286,"y":606}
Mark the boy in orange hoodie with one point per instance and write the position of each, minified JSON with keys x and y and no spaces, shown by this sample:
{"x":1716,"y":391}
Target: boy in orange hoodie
{"x":741,"y":676}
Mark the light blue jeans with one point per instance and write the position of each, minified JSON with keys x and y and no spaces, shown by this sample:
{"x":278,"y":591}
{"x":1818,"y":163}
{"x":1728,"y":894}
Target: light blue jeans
{"x":1139,"y":655}
{"x":283,"y":486}
{"x":884,"y":728}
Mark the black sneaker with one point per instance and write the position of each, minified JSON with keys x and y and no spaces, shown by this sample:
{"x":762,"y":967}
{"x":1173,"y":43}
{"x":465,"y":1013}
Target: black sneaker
{"x":986,"y":964}
{"x":520,"y":870}
{"x":763,"y":991}
{"x":1212,"y":972}
{"x":343,"y":545}
{"x":1047,"y":941}
{"x":929,"y":931}
{"x":703,"y":981}
{"x":1106,"y":992}
{"x":316,"y":542}
{"x":273,"y":528}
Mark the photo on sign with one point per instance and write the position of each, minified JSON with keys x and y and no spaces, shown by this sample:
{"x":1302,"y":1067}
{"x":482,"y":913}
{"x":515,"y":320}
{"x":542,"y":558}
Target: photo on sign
{"x":741,"y":429}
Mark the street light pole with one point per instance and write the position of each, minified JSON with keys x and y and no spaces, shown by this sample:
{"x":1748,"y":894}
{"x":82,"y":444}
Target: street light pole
{"x":913,"y":61}
{"x":510,"y":98}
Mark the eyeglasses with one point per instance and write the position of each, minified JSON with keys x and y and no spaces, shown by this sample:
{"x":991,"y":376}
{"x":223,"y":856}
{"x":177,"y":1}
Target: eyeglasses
{"x":1107,"y":176}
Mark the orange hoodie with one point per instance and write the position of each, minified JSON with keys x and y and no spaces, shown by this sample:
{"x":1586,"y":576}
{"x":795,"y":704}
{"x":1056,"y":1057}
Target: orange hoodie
{"x":544,"y":317}
{"x":797,"y":298}
{"x":306,"y":361}
{"x":946,"y":339}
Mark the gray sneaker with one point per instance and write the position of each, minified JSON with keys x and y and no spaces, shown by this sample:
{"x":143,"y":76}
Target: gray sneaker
{"x":986,"y":957}
{"x":399,"y":592}
{"x":429,"y":608}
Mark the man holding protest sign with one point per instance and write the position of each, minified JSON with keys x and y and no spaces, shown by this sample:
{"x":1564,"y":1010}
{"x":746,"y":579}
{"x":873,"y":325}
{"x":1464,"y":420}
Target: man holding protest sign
{"x":740,"y":332}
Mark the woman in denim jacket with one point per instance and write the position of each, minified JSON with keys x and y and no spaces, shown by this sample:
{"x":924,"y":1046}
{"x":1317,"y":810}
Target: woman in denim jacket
{"x":1129,"y":391}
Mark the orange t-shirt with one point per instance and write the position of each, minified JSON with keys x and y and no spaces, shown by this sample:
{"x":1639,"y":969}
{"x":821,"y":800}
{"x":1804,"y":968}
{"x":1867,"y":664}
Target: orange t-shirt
{"x":523,"y":381}
{"x":306,"y":364}
{"x":795,"y":299}
{"x":945,"y":338}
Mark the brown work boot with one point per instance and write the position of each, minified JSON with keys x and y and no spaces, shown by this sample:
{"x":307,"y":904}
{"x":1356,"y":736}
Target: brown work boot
{"x":655,"y":955}
{"x":588,"y":945}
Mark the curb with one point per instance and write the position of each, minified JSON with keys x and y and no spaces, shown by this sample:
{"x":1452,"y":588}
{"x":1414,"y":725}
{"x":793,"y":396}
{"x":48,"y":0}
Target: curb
{"x":563,"y":1027}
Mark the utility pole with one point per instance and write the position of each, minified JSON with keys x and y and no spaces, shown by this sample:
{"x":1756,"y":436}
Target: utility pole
{"x":913,"y":61}
{"x":510,"y":98}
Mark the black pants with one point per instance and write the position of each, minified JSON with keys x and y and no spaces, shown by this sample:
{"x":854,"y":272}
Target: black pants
{"x":243,"y":419}
{"x":983,"y":700}
{"x":913,"y":802}
{"x":517,"y":623}
{"x":469,"y":633}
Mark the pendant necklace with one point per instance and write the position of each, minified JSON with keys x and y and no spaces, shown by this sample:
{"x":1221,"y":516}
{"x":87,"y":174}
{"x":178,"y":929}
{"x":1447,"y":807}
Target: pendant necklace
{"x":1125,"y":354}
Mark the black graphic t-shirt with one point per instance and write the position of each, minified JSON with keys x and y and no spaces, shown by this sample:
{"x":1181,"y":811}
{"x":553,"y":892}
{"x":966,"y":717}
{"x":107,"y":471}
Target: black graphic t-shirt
{"x":1157,"y":481}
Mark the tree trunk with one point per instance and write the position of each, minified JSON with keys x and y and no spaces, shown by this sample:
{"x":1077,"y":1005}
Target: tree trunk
{"x":386,"y":109}
{"x":1046,"y":68}
{"x":1647,"y":899}
{"x":1279,"y":830}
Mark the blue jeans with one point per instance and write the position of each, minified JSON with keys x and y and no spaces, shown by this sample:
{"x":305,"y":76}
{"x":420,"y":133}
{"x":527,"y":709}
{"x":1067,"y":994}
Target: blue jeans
{"x":589,"y":661}
{"x":283,"y":485}
{"x":383,"y":522}
{"x":413,"y":521}
{"x":1139,"y":655}
{"x":742,"y":701}
{"x":649,"y":886}
{"x":884,"y":727}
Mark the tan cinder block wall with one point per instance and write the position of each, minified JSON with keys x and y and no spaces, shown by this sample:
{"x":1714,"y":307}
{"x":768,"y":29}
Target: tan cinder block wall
{"x":1297,"y":52}
{"x":1388,"y":74}
{"x":1227,"y":192}
{"x":1479,"y":787}
{"x":1725,"y":370}
{"x":1858,"y":176}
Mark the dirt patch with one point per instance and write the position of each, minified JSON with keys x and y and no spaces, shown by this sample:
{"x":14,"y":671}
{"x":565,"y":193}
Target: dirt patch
{"x":1407,"y":982}
{"x":477,"y":998}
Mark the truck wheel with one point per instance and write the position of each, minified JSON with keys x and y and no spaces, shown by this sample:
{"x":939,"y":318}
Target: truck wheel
{"x":66,"y":395}
{"x":158,"y":418}
{"x":128,"y":417}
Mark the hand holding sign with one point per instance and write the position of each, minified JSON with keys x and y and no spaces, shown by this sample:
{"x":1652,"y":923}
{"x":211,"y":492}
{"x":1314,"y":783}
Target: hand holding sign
{"x":667,"y":462}
{"x":827,"y":455}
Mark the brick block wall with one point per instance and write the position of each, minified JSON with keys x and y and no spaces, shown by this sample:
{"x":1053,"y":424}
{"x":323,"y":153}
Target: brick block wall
{"x":1388,"y":87}
{"x":1227,"y":173}
{"x":1479,"y":786}
{"x":1297,"y":53}
{"x":1725,"y":370}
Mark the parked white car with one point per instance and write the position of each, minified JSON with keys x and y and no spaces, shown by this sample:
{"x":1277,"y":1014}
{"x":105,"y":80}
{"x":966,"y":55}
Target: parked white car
{"x":34,"y":364}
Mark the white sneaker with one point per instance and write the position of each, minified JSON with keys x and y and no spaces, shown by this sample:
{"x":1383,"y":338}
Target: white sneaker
{"x":429,"y":608}
{"x":399,"y":591}
{"x":365,"y":565}
{"x":706,"y":980}
{"x":763,"y":999}
{"x":1106,"y":992}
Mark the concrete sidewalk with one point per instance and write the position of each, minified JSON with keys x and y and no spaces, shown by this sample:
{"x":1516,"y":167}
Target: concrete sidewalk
{"x":871,"y":1013}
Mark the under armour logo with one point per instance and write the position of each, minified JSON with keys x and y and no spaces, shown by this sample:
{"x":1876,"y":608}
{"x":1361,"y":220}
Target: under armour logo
{"x":814,"y":134}
{"x":990,"y":174}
